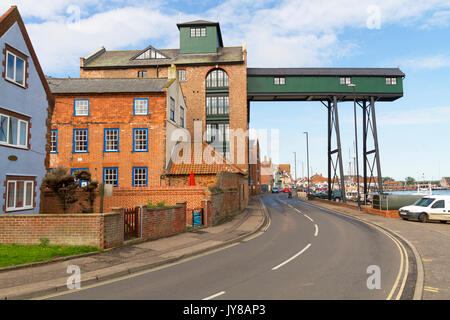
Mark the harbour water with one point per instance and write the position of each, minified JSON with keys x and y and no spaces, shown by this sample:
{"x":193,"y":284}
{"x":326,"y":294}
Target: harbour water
{"x":436,"y":192}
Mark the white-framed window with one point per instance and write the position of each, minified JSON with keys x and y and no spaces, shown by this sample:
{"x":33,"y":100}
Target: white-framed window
{"x":141,"y":106}
{"x":15,"y":68}
{"x":13,"y":131}
{"x":391,"y":81}
{"x":140,"y":139}
{"x":111,"y":176}
{"x":80,"y":140}
{"x":142,"y":74}
{"x":279,"y":80}
{"x":150,"y":54}
{"x":81,"y":107}
{"x":217,"y":105}
{"x":198,"y":32}
{"x":139,"y":176}
{"x":217,"y":78}
{"x":111,"y":140}
{"x":181,"y":74}
{"x":54,"y":141}
{"x":345,"y":80}
{"x":19,"y":194}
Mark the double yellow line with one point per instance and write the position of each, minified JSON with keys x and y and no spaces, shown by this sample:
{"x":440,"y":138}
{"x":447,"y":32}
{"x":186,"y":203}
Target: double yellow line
{"x":403,"y":269}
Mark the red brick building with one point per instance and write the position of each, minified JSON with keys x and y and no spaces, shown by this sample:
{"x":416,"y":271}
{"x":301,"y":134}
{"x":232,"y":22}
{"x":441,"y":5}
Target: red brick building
{"x":117,"y":129}
{"x":213,"y":79}
{"x":254,"y":167}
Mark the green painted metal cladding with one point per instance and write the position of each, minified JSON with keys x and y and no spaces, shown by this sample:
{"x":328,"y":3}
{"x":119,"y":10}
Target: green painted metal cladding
{"x":206,"y":44}
{"x":323,"y":84}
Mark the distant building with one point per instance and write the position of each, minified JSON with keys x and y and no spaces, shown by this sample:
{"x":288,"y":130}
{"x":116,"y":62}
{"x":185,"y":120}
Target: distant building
{"x":267,"y":175}
{"x":25,"y":105}
{"x":445,"y":182}
{"x":254,"y":167}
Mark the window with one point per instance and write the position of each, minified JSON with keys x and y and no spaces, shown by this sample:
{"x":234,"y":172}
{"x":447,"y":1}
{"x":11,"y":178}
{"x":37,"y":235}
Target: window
{"x":81,"y":107}
{"x":181,"y":75}
{"x":172,"y":109}
{"x":142,"y":74}
{"x":391,"y":81}
{"x":141,"y":106}
{"x":111,"y":141}
{"x":217,"y":78}
{"x":279,"y":80}
{"x":198,"y":32}
{"x":140,"y":140}
{"x":19,"y":193}
{"x":217,"y":105}
{"x":111,"y":176}
{"x":438,"y":204}
{"x":15,"y":68}
{"x":345,"y":80}
{"x":13,"y":131}
{"x":54,"y":141}
{"x":139,"y":176}
{"x":80,"y":140}
{"x":217,"y":134}
{"x":182,"y":116}
{"x":150,"y":54}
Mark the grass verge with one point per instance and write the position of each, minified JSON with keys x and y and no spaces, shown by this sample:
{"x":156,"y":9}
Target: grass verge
{"x":14,"y":254}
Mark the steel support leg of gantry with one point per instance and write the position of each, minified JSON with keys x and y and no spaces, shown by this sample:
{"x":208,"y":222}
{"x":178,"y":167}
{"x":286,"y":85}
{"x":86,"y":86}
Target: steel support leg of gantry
{"x":334,"y":165}
{"x":371,"y":158}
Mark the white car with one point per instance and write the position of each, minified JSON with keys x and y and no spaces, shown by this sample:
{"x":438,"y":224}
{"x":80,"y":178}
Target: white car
{"x":432,"y":207}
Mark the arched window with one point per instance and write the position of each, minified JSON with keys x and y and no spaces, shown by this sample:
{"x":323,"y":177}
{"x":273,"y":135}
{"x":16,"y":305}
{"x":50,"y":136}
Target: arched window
{"x":217,"y":78}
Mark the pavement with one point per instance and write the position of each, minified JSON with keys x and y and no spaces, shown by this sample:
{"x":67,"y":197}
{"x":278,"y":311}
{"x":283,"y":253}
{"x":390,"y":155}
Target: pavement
{"x":46,"y":279}
{"x":432,"y":241}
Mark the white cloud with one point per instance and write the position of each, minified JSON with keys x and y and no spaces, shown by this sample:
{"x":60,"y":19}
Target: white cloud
{"x":279,"y":33}
{"x":440,"y":19}
{"x":431,"y":115}
{"x":430,"y":62}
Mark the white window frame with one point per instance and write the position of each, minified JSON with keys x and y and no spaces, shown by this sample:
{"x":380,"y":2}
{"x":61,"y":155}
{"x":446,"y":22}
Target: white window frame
{"x":18,"y":145}
{"x":111,"y":133}
{"x":24,"y":207}
{"x":138,"y":108}
{"x":345,"y":80}
{"x":77,"y":111}
{"x":109,"y":176}
{"x":279,"y":81}
{"x":181,"y":74}
{"x":15,"y":68}
{"x":391,"y":81}
{"x":81,"y":133}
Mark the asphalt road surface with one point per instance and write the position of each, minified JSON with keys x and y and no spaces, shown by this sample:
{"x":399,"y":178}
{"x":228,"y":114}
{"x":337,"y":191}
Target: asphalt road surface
{"x":306,"y":253}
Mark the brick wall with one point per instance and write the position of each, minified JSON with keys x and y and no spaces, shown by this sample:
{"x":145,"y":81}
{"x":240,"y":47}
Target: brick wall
{"x":161,"y":222}
{"x":99,"y":230}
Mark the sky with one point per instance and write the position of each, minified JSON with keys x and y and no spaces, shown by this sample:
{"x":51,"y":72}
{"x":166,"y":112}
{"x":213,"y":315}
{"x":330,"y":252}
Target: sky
{"x":413,"y":35}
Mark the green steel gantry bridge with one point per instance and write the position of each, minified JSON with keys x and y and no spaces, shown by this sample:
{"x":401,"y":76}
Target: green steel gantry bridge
{"x":364,"y":86}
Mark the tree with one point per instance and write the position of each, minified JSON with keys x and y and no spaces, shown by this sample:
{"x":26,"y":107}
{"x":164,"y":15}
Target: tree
{"x":90,"y":188}
{"x":410,"y":180}
{"x":385,"y":179}
{"x":63,"y":185}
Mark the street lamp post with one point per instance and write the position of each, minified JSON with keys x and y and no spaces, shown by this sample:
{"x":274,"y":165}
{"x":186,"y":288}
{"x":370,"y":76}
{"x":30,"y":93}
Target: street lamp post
{"x":307,"y":158}
{"x":295,"y":166}
{"x":352,"y":85}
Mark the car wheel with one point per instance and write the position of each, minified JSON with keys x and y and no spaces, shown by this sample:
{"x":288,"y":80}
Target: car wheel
{"x":337,"y":199}
{"x":443,"y":221}
{"x":406,"y":219}
{"x":423,"y":217}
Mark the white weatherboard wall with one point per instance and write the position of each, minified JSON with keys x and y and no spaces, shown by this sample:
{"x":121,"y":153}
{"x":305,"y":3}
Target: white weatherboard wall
{"x":174,"y":91}
{"x":31,"y":102}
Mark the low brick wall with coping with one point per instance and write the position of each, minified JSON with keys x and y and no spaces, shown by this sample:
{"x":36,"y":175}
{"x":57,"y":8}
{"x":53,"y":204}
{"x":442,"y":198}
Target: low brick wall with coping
{"x":160,"y":222}
{"x":383,"y":213}
{"x":98,"y":230}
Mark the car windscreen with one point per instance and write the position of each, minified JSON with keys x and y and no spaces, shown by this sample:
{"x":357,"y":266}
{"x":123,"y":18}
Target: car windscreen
{"x":424,"y":202}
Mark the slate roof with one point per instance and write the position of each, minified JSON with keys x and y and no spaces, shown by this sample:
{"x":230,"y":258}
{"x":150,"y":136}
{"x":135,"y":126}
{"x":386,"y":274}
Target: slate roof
{"x":197,"y":163}
{"x":124,"y":59}
{"x":103,"y":85}
{"x":394,"y":72}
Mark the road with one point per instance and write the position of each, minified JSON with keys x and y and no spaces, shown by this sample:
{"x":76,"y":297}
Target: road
{"x":306,"y":253}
